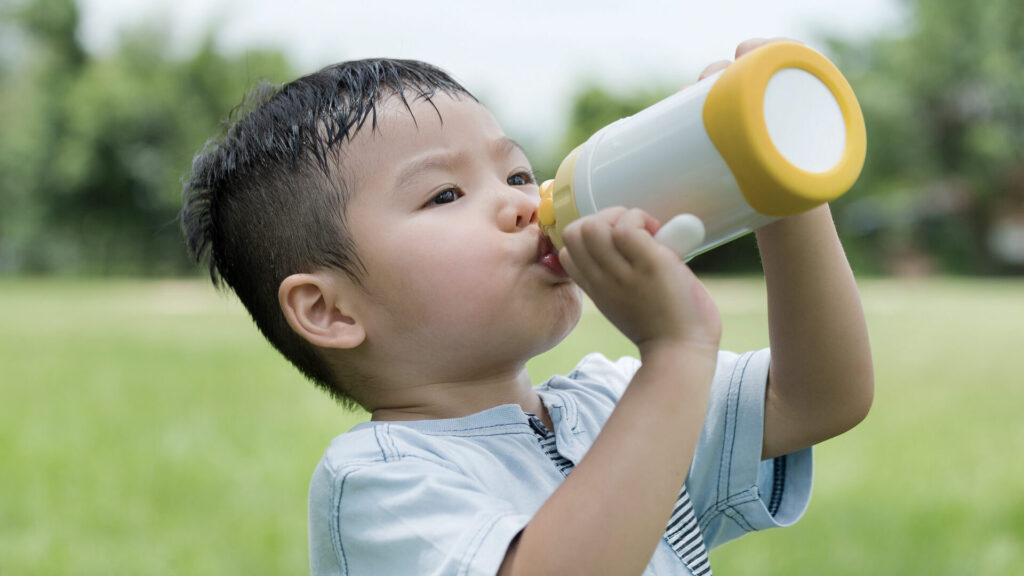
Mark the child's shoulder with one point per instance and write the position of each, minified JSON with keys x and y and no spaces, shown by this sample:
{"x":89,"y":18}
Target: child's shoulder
{"x":375,"y":443}
{"x":597,"y":373}
{"x":444,"y":442}
{"x":597,"y":364}
{"x":595,"y":384}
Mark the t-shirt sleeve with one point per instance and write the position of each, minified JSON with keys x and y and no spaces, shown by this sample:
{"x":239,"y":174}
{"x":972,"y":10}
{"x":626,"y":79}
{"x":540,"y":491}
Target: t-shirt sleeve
{"x":732,"y":489}
{"x":408,"y":516}
{"x":599,"y":376}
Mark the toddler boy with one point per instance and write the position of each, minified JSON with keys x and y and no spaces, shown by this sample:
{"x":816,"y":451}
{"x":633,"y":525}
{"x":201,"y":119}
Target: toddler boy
{"x":381,"y":229}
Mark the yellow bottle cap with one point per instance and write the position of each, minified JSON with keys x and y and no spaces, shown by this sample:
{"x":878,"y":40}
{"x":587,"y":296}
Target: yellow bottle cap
{"x":734,"y":117}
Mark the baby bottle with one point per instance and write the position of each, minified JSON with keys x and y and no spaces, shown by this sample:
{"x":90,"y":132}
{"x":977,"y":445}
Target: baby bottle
{"x":776,"y":133}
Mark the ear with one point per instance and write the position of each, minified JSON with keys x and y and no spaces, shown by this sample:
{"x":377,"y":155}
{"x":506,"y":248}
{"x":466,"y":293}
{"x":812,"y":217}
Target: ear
{"x":316,"y":307}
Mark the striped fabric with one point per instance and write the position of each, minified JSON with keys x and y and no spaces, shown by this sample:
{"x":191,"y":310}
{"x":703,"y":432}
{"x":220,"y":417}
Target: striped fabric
{"x":547,"y":444}
{"x":683,"y":535}
{"x":682,"y":532}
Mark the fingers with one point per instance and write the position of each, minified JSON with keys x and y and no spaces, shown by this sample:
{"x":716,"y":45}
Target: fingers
{"x":712,"y":68}
{"x":608,"y":245}
{"x":600,"y":248}
{"x":633,"y":237}
{"x":651,"y":223}
{"x":750,"y":44}
{"x":592,"y":254}
{"x":754,"y":43}
{"x":743,"y":48}
{"x":567,"y":262}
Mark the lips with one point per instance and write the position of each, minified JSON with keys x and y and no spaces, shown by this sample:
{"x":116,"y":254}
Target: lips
{"x":547,"y":257}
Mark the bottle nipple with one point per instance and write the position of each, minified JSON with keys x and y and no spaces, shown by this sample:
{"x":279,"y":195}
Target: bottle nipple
{"x":546,"y":209}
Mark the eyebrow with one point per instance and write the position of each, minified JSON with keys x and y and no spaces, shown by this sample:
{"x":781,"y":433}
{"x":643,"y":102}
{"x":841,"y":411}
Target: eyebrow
{"x":500,"y":148}
{"x":507,"y":145}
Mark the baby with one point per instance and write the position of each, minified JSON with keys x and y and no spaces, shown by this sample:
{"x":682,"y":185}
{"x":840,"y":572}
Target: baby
{"x":380,"y":228}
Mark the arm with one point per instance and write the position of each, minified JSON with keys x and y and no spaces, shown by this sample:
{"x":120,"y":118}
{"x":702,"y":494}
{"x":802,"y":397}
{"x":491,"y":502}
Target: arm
{"x":610,"y":513}
{"x":821,"y":381}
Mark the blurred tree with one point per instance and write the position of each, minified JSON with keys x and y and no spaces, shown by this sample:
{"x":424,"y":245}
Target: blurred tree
{"x":592,"y":108}
{"x":95,"y":146}
{"x":943,"y":100}
{"x":54,"y":22}
{"x":595,"y":107}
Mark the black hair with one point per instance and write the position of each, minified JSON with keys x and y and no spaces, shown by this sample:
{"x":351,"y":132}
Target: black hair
{"x":266,"y":197}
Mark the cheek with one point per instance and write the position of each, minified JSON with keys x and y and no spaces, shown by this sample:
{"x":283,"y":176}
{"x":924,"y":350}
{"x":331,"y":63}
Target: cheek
{"x":448,"y":280}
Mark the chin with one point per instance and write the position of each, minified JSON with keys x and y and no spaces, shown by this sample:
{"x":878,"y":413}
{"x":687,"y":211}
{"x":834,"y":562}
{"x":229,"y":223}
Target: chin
{"x":571,"y":303}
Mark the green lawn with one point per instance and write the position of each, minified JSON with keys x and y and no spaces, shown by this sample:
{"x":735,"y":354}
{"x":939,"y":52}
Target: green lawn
{"x":146,"y":428}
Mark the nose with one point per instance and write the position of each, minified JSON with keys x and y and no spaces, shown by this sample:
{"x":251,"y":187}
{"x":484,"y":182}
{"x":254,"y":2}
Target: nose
{"x":517,"y":209}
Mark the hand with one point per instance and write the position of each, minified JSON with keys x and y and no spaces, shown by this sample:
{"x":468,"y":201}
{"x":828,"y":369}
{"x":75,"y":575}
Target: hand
{"x":741,"y":49}
{"x":639,"y":284}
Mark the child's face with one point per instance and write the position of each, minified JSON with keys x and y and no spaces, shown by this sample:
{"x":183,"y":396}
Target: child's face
{"x":443,"y":214}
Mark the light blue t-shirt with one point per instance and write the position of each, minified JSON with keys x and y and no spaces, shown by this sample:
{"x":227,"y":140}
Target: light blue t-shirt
{"x":448,"y":496}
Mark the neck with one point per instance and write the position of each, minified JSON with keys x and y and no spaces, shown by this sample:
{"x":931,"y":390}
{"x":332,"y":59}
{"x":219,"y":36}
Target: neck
{"x":458,"y":398}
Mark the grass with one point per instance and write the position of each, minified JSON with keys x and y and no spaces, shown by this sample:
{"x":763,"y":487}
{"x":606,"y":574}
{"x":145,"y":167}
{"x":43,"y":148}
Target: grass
{"x":146,"y":428}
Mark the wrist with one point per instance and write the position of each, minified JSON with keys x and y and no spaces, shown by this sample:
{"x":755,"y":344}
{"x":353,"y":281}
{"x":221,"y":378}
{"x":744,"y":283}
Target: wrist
{"x":673,"y":382}
{"x":660,"y":350}
{"x":806,"y":225}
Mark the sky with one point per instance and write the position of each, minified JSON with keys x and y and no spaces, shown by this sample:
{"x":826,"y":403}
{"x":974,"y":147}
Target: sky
{"x":524,"y":59}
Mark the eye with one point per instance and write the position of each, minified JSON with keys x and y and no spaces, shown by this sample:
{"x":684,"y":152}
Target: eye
{"x":446,"y":196}
{"x":522,"y":178}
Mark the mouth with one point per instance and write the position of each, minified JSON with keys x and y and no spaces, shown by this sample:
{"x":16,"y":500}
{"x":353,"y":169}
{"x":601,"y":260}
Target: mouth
{"x":547,"y":257}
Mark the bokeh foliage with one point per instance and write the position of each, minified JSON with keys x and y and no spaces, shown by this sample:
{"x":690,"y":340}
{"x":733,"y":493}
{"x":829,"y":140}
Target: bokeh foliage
{"x":943,"y":100}
{"x":944,"y":105}
{"x":94,"y":145}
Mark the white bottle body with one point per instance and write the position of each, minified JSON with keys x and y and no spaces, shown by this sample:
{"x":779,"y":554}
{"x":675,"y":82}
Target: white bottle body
{"x":662,"y":161}
{"x":775,"y":134}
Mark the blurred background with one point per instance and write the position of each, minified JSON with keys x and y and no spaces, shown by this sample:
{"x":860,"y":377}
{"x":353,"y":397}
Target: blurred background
{"x":146,"y":428}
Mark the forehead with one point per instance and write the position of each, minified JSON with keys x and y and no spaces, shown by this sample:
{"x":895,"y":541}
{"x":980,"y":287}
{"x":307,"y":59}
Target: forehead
{"x":442,"y":125}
